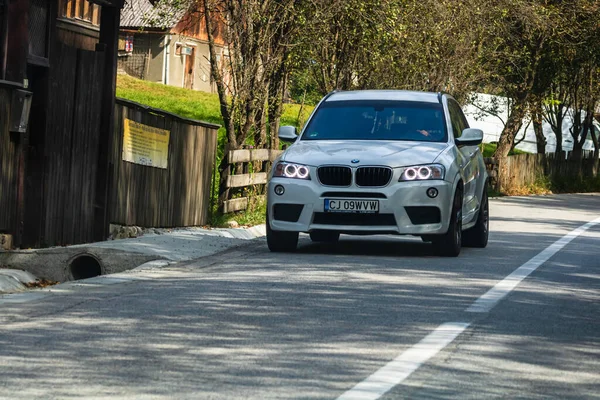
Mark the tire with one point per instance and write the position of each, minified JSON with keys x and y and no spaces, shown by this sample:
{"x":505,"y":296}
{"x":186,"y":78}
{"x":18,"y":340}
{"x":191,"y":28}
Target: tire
{"x":281,"y":241}
{"x":324,"y":236}
{"x":450,"y":243}
{"x":477,"y":236}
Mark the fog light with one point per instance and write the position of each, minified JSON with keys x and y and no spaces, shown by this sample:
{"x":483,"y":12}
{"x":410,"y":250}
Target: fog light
{"x":432,"y":192}
{"x":279,"y":190}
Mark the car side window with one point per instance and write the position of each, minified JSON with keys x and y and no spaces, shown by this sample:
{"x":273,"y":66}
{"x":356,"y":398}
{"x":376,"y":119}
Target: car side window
{"x":459,"y":122}
{"x":461,"y":114}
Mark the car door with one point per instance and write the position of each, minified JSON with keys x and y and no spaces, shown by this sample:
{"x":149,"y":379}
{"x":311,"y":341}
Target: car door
{"x":467,"y":161}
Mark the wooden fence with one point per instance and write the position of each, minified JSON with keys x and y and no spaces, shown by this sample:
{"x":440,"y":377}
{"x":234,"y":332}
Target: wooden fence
{"x":527,"y":169}
{"x":178,"y":195}
{"x":247,"y":169}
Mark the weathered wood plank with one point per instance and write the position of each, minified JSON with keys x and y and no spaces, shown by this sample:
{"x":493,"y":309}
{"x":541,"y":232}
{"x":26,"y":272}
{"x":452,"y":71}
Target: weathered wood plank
{"x":240,"y":204}
{"x":241,"y":156}
{"x":59,"y":136}
{"x":234,"y":181}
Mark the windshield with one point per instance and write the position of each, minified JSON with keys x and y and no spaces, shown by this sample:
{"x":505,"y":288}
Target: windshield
{"x":377,"y":120}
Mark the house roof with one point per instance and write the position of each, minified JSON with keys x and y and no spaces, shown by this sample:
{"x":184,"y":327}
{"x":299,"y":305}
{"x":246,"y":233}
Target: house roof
{"x":150,"y":14}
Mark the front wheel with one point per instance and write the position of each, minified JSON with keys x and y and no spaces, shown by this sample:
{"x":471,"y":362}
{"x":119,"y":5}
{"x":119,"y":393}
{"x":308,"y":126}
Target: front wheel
{"x":477,"y":236}
{"x":449,"y":244}
{"x":281,"y":241}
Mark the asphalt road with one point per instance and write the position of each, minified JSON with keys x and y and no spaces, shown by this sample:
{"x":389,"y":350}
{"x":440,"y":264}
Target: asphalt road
{"x":375,"y":317}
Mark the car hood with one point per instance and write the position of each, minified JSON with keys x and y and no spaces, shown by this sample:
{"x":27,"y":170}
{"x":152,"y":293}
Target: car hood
{"x":368,"y":152}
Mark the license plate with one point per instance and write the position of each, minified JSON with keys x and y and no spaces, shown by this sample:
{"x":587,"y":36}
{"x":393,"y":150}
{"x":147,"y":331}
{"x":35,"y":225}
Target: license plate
{"x":351,"y":206}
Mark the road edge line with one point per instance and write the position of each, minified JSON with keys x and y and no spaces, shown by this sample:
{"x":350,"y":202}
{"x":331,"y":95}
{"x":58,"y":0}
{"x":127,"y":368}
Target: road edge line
{"x":400,"y":368}
{"x":492,"y":297}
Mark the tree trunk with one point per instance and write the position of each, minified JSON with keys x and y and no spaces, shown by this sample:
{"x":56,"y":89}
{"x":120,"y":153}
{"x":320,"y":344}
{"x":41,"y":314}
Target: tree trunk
{"x":595,"y":139}
{"x":277,"y":90}
{"x":517,"y":141}
{"x":587,"y":126}
{"x":218,"y":78}
{"x":538,"y":129}
{"x":224,"y":172}
{"x":260,"y":128}
{"x":558,"y":132}
{"x":507,"y":138}
{"x":577,"y":134}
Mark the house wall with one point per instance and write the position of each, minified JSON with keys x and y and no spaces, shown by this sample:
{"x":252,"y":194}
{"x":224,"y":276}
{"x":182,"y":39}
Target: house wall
{"x":146,"y":61}
{"x":202,"y":78}
{"x":156,"y":66}
{"x":193,"y":25}
{"x":176,"y":64}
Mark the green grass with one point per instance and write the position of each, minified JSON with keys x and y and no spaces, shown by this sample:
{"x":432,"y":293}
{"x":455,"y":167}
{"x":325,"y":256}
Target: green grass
{"x":490,"y":148}
{"x":191,"y":104}
{"x":254,"y":215}
{"x":575,"y":185}
{"x":187,"y":103}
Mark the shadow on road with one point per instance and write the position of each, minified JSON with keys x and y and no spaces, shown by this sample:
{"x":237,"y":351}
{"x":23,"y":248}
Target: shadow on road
{"x":305,"y":325}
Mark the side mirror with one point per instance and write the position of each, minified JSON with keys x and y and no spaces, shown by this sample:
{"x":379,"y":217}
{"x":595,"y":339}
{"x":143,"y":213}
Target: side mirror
{"x":287,"y":133}
{"x":470,"y":137}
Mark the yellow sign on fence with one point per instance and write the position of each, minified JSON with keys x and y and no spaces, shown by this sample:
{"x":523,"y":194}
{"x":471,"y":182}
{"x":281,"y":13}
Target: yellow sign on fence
{"x":145,"y":145}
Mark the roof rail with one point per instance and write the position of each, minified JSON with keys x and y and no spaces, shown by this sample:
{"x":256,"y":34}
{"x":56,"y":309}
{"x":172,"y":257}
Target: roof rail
{"x":440,"y":97}
{"x":329,"y":95}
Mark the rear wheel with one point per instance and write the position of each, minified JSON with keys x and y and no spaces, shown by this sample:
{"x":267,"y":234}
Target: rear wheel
{"x":324,"y":236}
{"x":477,"y":236}
{"x":281,"y":241}
{"x":449,"y":244}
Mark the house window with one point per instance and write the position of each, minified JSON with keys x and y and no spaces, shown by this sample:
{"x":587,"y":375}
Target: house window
{"x":82,"y":10}
{"x":38,"y":28}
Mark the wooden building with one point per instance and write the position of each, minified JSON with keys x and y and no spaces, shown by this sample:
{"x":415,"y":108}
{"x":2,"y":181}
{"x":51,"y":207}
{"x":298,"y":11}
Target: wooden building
{"x":58,"y":61}
{"x":169,"y":48}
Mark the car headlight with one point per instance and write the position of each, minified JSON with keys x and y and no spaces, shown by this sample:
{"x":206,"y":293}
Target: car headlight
{"x":422,"y":173}
{"x":291,"y":170}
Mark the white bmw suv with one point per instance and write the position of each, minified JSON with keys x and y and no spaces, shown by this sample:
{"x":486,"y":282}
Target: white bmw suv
{"x":381,"y":162}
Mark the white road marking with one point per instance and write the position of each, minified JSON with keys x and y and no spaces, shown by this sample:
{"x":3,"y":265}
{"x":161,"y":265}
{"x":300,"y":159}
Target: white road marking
{"x":396,"y":371}
{"x":488,"y":300}
{"x":405,"y":364}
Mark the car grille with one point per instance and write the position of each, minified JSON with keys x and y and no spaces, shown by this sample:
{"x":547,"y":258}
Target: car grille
{"x":373,"y":176}
{"x":351,"y":195}
{"x":354,"y":219}
{"x":335,"y":176}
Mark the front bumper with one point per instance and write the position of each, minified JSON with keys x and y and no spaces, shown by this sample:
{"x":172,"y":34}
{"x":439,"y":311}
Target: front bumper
{"x":404,"y":208}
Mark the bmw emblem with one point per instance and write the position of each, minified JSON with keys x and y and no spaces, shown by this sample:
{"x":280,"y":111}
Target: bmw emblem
{"x":355,"y":161}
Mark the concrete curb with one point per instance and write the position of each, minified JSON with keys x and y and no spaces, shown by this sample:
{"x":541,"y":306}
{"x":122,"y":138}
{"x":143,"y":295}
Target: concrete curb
{"x":14,"y":280}
{"x":145,"y":253}
{"x":9,"y":284}
{"x":253,"y":232}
